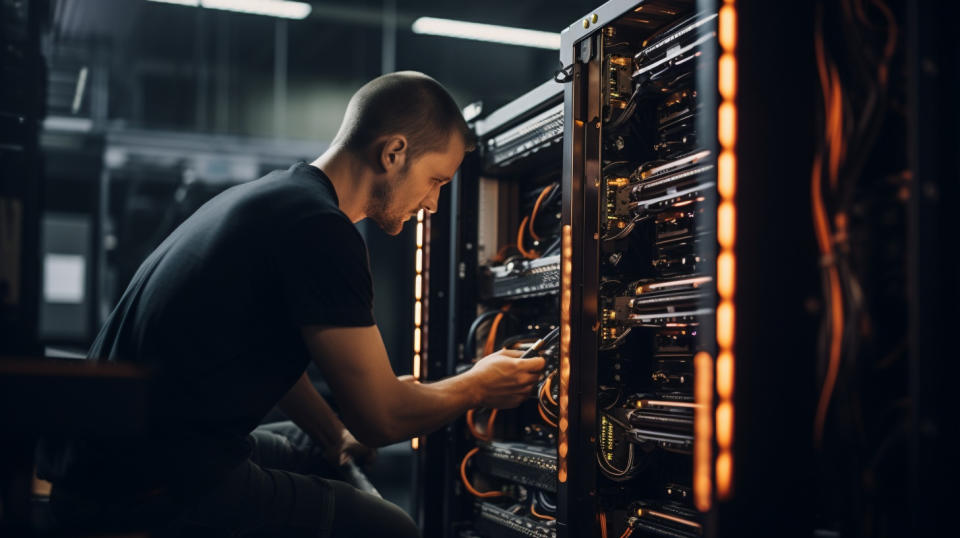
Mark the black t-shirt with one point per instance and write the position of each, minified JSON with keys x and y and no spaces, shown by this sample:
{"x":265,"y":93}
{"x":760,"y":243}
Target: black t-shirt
{"x":215,"y":312}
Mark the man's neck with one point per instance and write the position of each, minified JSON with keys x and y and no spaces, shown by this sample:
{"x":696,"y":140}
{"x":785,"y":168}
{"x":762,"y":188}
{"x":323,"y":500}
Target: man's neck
{"x":350,"y":178}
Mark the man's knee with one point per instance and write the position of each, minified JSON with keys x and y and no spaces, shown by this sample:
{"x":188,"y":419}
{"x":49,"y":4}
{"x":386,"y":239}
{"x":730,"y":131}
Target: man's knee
{"x":359,"y":514}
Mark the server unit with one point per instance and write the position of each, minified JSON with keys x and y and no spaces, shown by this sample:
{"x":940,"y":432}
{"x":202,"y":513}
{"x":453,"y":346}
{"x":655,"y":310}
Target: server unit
{"x":606,"y":217}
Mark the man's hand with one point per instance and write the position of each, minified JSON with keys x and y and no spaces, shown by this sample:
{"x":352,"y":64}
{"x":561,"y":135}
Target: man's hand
{"x":349,"y":449}
{"x":504,"y":379}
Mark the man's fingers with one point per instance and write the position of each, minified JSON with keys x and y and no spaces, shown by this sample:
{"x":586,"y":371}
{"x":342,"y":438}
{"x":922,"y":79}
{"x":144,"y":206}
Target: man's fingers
{"x":533,"y":364}
{"x":513,"y":353}
{"x":528,"y":378}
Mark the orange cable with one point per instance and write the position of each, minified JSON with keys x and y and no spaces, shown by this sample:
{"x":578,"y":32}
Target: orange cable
{"x":547,"y":390}
{"x":603,"y":525}
{"x":627,"y":532}
{"x":492,"y":333}
{"x":835,"y":114}
{"x":823,"y":235}
{"x":471,"y":425}
{"x":486,"y":435}
{"x":540,"y":402}
{"x":836,"y":349}
{"x":488,"y":349}
{"x":490,"y":420}
{"x":528,"y":254}
{"x":544,"y":416}
{"x":538,"y":515}
{"x":536,"y":208}
{"x":501,"y":253}
{"x":466,"y":482}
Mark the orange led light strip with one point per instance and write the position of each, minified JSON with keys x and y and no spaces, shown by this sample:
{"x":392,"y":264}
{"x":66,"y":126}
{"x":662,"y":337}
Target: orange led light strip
{"x":419,"y":310}
{"x":703,"y":430}
{"x":566,"y":291}
{"x":726,"y":238}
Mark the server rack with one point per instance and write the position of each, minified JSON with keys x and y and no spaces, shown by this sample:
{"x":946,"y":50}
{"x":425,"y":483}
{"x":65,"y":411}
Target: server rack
{"x":472,"y":277}
{"x":666,"y":288}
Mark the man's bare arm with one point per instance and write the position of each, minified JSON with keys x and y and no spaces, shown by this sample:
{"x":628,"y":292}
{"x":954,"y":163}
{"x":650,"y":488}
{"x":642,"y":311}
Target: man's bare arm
{"x":379,"y":408}
{"x":307,"y":409}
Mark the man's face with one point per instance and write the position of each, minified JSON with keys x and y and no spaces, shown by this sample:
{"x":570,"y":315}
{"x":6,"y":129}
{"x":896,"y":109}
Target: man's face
{"x":397,"y":197}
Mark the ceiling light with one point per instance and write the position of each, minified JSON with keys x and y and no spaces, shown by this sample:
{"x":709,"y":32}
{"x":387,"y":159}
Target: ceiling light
{"x":487,"y":32}
{"x":272,"y":8}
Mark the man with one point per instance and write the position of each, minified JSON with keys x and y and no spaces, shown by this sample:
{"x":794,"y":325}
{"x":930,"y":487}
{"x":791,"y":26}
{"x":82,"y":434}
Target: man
{"x":232,"y":306}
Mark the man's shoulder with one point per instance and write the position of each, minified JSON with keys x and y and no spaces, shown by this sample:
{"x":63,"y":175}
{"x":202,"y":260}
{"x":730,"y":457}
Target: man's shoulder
{"x":291,"y":195}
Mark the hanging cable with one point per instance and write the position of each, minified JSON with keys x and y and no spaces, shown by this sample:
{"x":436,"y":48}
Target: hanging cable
{"x":536,"y":208}
{"x":466,"y":482}
{"x":537,"y":515}
{"x":528,"y":254}
{"x":833,"y":103}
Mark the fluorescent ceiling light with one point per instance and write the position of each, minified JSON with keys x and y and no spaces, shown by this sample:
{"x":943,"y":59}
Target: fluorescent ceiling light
{"x":487,"y":32}
{"x":272,"y":8}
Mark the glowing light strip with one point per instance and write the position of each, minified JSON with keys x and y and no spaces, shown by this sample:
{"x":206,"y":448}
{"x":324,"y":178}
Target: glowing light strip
{"x":726,"y":238}
{"x":419,"y":312}
{"x":703,"y":430}
{"x":566,"y":297}
{"x":487,"y":32}
{"x":272,"y":8}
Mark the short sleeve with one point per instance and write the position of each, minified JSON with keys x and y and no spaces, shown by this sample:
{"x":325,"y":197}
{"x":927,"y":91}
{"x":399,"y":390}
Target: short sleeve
{"x":324,"y":272}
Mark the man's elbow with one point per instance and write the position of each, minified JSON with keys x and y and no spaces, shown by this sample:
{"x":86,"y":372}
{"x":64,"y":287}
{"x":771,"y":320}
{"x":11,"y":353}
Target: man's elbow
{"x":377,"y":433}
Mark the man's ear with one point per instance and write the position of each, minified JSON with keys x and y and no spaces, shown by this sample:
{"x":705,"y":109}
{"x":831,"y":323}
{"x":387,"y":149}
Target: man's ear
{"x":393,"y":155}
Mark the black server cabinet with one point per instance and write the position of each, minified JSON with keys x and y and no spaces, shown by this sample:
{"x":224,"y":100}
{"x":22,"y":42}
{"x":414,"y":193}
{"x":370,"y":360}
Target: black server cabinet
{"x":675,"y":402}
{"x":491,"y":279}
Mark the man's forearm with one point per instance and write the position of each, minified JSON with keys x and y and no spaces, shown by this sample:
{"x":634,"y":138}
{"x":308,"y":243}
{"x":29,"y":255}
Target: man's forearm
{"x":424,"y":407}
{"x":306,"y":408}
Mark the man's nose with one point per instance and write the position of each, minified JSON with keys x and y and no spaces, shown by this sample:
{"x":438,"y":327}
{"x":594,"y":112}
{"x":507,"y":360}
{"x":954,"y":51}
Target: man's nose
{"x":431,"y":202}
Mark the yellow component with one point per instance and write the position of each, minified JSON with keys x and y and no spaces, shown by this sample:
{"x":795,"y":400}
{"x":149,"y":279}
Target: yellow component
{"x":725,"y":375}
{"x":724,"y":464}
{"x":725,"y":274}
{"x":726,"y":225}
{"x":728,"y":28}
{"x":724,"y":425}
{"x":703,"y":431}
{"x":727,"y":174}
{"x":594,"y":18}
{"x":727,"y":124}
{"x":727,"y":79}
{"x":640,"y":512}
{"x":639,"y":403}
{"x":586,"y":23}
{"x":725,"y":327}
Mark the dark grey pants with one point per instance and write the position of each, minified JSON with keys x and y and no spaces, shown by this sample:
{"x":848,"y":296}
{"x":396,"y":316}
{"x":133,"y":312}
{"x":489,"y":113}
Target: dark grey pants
{"x":284,"y":489}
